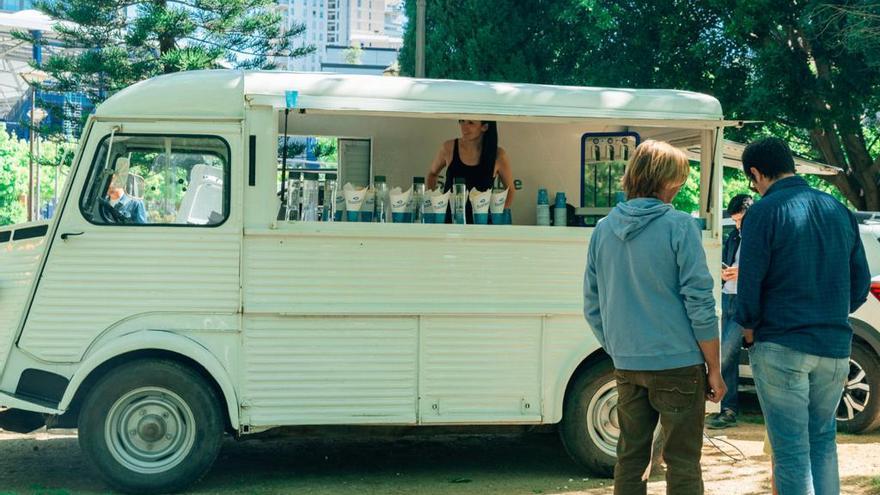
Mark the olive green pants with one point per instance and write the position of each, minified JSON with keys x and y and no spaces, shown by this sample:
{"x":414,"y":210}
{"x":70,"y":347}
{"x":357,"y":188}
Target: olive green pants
{"x":677,"y":398}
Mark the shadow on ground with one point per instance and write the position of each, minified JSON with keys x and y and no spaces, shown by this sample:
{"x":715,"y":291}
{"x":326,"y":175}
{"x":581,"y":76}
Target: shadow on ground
{"x":520,"y":464}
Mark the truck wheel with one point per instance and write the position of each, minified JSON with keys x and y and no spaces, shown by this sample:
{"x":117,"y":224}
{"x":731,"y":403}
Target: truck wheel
{"x":151,"y":426}
{"x":589,"y":427}
{"x":859,"y":408}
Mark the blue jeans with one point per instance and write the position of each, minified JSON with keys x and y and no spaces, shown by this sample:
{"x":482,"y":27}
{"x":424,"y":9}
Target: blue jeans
{"x":731,"y":343}
{"x":799,"y":394}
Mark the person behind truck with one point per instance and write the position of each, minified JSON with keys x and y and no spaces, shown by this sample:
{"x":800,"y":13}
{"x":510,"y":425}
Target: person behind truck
{"x":475,"y":156}
{"x":120,"y":207}
{"x":648,"y":299}
{"x":731,"y":332}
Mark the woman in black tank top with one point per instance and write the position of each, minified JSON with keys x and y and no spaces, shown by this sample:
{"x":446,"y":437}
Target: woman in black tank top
{"x":476,"y":157}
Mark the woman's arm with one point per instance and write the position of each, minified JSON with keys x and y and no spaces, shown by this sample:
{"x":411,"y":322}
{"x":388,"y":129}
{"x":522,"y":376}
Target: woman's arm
{"x":439,"y":163}
{"x":502,"y":169}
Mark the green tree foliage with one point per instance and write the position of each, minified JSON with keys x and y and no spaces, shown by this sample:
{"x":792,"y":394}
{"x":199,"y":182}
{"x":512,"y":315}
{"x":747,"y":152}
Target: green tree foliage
{"x":808,"y":69}
{"x":54,"y":160}
{"x":326,"y":150}
{"x":120,"y":42}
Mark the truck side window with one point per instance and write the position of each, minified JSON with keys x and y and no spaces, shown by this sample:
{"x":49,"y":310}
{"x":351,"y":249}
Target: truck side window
{"x":158,"y":180}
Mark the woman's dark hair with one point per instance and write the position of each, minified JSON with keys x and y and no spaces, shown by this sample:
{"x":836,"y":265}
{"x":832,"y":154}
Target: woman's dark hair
{"x":771,"y":156}
{"x":739,"y":204}
{"x":490,"y":144}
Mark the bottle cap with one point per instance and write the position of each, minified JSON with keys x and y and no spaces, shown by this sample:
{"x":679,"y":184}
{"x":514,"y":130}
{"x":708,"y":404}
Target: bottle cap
{"x":379,"y":178}
{"x":418,"y":180}
{"x":460,"y":180}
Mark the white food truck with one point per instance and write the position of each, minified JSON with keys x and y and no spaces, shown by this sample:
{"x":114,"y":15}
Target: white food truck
{"x":214,"y":317}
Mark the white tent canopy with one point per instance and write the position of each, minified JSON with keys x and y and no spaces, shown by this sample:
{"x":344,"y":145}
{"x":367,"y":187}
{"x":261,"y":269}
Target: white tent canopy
{"x":733,"y":159}
{"x":16,"y":55}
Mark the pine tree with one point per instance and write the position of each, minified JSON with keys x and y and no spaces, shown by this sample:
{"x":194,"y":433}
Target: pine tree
{"x":115,"y":43}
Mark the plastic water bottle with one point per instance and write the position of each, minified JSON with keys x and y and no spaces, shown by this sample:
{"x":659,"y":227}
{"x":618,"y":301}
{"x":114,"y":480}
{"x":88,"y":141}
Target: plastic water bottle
{"x":543,"y":208}
{"x":459,"y":200}
{"x":328,"y":214}
{"x":382,"y":200}
{"x":309,"y":212}
{"x":418,"y":195}
{"x":560,"y":216}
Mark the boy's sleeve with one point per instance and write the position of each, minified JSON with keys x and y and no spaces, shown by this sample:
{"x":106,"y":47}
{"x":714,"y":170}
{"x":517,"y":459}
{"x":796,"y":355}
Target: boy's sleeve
{"x":591,"y":296}
{"x":696,"y":283}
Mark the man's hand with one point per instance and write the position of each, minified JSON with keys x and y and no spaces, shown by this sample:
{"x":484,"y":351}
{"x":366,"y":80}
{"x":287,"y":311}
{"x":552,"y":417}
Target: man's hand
{"x":728,"y":274}
{"x":716,"y":388}
{"x":748,"y":335}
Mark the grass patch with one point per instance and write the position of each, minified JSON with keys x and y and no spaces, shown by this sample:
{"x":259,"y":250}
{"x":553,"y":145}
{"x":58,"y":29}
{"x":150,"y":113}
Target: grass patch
{"x":874,"y":487}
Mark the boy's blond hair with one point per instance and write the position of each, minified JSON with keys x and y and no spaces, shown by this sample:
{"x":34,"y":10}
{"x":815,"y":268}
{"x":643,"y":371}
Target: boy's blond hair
{"x":653,"y":167}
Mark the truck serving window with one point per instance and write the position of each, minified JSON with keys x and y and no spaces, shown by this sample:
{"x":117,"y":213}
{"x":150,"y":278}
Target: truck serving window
{"x":158,"y":180}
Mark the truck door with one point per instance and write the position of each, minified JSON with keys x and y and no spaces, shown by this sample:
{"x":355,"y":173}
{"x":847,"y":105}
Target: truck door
{"x":151,"y":226}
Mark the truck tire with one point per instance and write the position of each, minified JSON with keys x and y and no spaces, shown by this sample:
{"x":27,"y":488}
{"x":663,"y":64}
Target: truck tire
{"x":151,"y":426}
{"x":589,"y":427}
{"x":859,"y":408}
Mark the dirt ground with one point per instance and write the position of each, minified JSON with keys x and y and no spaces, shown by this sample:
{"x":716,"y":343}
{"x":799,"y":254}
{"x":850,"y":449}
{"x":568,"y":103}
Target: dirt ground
{"x":52,"y":464}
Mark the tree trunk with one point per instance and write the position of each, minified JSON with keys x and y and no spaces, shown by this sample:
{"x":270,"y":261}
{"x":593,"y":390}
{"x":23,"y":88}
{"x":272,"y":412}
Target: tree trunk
{"x":166,"y":42}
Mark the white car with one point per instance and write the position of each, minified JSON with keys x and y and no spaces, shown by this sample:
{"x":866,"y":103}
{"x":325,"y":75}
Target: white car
{"x":859,"y":409}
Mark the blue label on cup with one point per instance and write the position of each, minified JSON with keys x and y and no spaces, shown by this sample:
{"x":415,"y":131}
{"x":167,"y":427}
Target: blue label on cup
{"x":337,"y":217}
{"x":366,"y":216}
{"x":498,"y":218}
{"x":353,"y":216}
{"x":398,"y":217}
{"x":481,"y":218}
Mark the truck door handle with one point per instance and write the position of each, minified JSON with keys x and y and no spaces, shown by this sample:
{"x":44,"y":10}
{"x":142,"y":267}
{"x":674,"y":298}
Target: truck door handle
{"x":65,"y":235}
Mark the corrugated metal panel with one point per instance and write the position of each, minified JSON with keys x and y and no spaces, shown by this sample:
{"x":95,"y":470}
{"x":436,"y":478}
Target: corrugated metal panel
{"x":567,"y":339}
{"x":413,"y":269}
{"x":19,"y":261}
{"x":95,"y":280}
{"x":330,"y":370}
{"x":480,"y":369}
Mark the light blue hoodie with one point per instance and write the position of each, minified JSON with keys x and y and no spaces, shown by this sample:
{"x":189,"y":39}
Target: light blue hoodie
{"x":647,"y":289}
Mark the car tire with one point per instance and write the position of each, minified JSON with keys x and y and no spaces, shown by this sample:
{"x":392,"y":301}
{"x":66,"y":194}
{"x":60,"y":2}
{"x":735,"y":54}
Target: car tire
{"x":862,"y":391}
{"x":589,"y":428}
{"x":151,"y":426}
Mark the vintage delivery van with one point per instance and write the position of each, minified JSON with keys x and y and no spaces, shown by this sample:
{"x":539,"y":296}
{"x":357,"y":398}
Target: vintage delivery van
{"x":157,"y":336}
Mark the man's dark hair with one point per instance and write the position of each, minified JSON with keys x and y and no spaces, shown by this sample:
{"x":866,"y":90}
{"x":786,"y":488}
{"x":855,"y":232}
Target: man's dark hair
{"x":739,"y":204}
{"x":771,"y":156}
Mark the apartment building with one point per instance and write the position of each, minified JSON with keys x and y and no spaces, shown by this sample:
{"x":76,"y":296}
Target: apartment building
{"x":334,"y":26}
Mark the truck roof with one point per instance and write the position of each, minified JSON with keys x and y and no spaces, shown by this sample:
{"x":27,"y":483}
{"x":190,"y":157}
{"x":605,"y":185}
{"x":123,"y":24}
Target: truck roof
{"x":226,"y":93}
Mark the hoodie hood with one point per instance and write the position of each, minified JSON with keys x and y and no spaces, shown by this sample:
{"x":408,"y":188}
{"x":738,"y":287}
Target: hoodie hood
{"x":627,"y":220}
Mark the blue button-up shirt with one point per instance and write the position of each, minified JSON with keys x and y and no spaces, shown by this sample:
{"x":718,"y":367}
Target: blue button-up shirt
{"x":802,"y":270}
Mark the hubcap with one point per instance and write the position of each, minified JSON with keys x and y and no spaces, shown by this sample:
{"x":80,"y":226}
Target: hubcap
{"x":602,"y":422}
{"x":856,"y":393}
{"x":150,"y":430}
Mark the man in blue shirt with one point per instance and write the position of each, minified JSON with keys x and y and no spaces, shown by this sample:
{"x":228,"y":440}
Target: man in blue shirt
{"x":802,"y":271}
{"x":122,"y":208}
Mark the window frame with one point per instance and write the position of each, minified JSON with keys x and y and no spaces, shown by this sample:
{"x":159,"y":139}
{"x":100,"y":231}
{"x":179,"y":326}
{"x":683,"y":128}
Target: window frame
{"x":590,"y":135}
{"x":227,"y":177}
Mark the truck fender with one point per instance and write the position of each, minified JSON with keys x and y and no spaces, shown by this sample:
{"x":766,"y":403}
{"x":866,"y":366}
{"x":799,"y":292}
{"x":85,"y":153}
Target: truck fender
{"x":867,"y":332}
{"x":156,"y":340}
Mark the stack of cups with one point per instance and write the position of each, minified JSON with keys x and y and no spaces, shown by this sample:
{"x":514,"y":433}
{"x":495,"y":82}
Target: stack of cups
{"x":560,"y":215}
{"x":543,"y":208}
